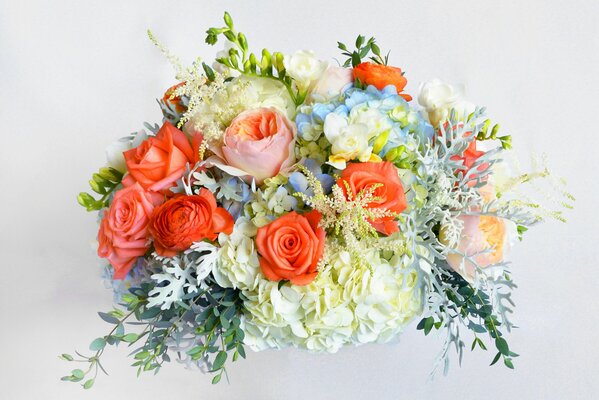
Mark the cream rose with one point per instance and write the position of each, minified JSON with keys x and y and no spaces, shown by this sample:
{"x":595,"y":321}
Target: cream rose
{"x":304,"y":67}
{"x":438,"y":98}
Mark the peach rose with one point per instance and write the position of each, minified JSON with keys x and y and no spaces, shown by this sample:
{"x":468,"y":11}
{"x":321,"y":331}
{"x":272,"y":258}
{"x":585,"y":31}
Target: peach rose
{"x":123,"y":235}
{"x":183,"y":220}
{"x":361,"y":176}
{"x":380,"y":76}
{"x":480,"y":233}
{"x":160,"y":160}
{"x":258,"y":144}
{"x":291,"y":247}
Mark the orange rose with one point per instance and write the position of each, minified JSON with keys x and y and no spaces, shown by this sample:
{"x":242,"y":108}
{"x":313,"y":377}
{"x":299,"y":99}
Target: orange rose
{"x":175,"y":102}
{"x":291,"y":247}
{"x":123,"y":235}
{"x":183,"y":220}
{"x":380,"y":76}
{"x":390,"y":193}
{"x":160,"y":160}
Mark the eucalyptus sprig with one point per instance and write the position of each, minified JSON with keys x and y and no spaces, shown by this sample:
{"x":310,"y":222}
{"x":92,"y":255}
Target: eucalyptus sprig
{"x":363,"y":49}
{"x":104,"y":182}
{"x":474,"y":308}
{"x":239,"y":58}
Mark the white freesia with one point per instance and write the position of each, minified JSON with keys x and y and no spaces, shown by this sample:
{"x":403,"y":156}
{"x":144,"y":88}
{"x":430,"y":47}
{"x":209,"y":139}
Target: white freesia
{"x":114,"y":152}
{"x":349,"y":141}
{"x":438,"y":98}
{"x":304,"y":67}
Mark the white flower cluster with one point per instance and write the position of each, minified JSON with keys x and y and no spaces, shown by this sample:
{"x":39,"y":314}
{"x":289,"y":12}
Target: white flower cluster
{"x":347,"y":303}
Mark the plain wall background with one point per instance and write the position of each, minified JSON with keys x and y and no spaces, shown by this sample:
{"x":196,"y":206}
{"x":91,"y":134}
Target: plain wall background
{"x":75,"y":75}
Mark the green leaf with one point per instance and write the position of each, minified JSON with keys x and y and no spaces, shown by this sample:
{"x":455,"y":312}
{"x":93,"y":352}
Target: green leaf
{"x":66,"y":357}
{"x":142,"y":355}
{"x":219,"y":360}
{"x":77,"y":374}
{"x":130,"y":337}
{"x":508,"y":363}
{"x":428,"y":325}
{"x":97,"y":344}
{"x":502,"y":346}
{"x":88,"y":384}
{"x":495,"y":359}
{"x":108,"y":318}
{"x":216,"y":379}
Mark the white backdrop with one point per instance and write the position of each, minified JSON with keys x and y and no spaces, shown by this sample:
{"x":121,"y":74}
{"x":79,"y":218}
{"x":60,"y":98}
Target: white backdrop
{"x":75,"y":75}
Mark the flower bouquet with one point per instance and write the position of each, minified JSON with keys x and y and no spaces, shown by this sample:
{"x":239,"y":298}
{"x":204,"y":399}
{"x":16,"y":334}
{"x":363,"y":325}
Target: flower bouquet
{"x":286,"y":201}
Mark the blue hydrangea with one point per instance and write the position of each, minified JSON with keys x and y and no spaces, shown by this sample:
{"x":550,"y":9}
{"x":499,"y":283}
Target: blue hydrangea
{"x":403,"y":120}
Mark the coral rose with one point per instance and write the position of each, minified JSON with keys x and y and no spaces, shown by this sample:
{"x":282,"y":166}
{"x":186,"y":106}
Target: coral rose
{"x":258,"y":144}
{"x":291,"y":247}
{"x":390,"y":193}
{"x":123,"y":235}
{"x":380,"y":76}
{"x":160,"y":160}
{"x":183,"y":220}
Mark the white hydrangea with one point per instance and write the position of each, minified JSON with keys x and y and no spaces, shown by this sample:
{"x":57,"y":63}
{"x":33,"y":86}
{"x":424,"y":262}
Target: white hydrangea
{"x":345,"y":304}
{"x":238,"y":266}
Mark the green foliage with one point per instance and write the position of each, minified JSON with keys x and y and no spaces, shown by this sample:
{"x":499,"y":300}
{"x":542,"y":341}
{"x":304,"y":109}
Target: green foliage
{"x":476,"y":310}
{"x":216,"y":312}
{"x":267,"y":64}
{"x":219,"y":325}
{"x":485,"y":134}
{"x":362,"y":51}
{"x":104,"y":182}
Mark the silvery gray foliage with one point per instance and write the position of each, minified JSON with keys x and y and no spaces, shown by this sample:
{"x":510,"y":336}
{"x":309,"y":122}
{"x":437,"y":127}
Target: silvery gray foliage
{"x":181,"y":275}
{"x":452,"y":192}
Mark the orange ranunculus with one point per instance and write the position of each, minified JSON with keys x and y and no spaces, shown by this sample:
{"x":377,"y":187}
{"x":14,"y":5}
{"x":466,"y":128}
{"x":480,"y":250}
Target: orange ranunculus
{"x":182,"y":220}
{"x":380,"y":76}
{"x":123,"y":235}
{"x":160,"y":160}
{"x":291,"y":247}
{"x":175,"y":101}
{"x":390,"y":193}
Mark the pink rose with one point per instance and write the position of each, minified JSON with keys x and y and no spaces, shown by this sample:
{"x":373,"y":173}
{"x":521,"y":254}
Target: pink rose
{"x":123,"y":235}
{"x":258,"y":144}
{"x":332,"y":81}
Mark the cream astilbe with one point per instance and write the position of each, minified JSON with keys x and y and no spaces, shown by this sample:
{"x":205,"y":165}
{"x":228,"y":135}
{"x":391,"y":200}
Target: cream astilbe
{"x":348,"y":218}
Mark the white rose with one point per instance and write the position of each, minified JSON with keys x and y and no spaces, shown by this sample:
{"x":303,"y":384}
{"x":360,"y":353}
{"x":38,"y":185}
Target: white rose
{"x":304,"y":67}
{"x":266,"y":92}
{"x":114,"y":152}
{"x":439,"y":98}
{"x":331,"y":83}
